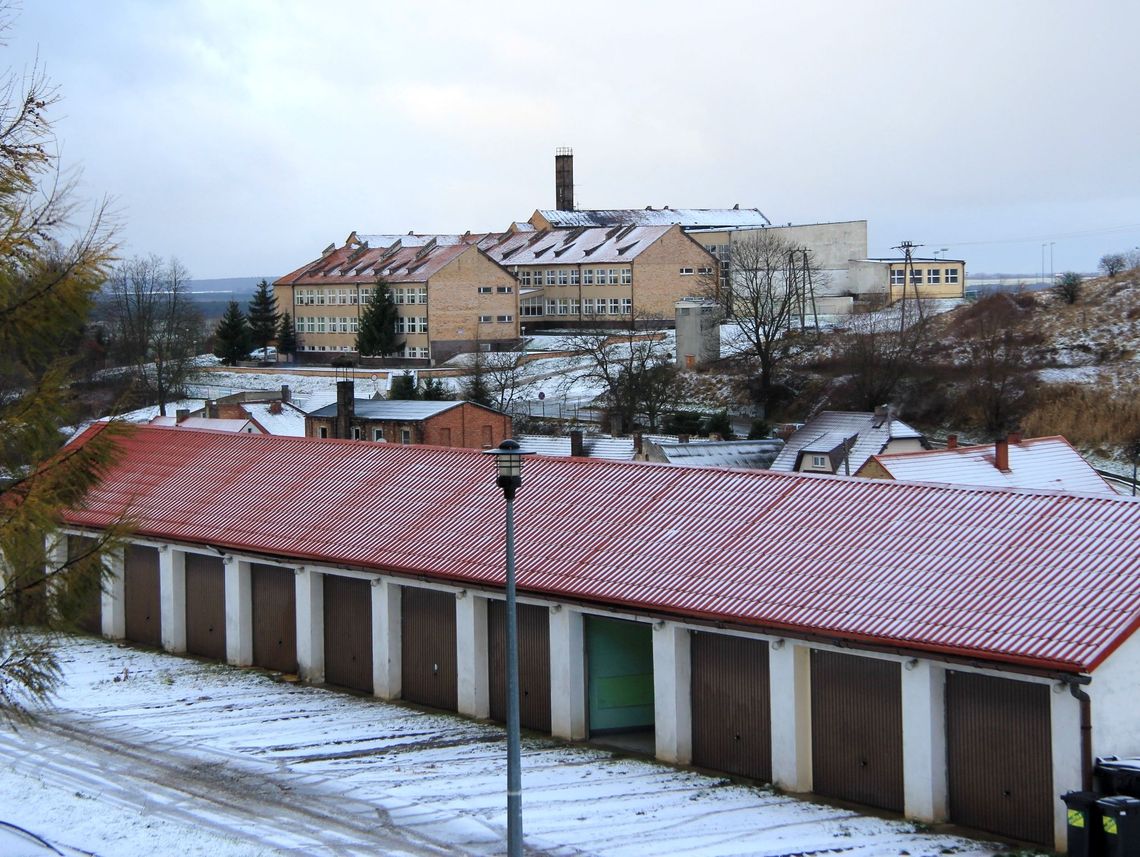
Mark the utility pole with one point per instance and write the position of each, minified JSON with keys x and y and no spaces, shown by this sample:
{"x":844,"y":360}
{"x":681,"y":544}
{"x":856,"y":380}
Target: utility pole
{"x":908,"y":275}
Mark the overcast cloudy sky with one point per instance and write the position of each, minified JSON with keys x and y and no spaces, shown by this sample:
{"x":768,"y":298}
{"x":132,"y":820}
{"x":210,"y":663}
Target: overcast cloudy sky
{"x":244,"y":136}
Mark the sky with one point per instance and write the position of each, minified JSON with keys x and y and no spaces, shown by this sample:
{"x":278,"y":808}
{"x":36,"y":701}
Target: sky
{"x":244,"y":136}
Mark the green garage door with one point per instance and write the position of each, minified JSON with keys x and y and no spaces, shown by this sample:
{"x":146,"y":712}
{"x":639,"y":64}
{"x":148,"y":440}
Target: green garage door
{"x":619,"y":657}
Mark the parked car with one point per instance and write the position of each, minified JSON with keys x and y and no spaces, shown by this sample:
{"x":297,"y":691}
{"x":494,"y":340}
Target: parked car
{"x":263,"y":354}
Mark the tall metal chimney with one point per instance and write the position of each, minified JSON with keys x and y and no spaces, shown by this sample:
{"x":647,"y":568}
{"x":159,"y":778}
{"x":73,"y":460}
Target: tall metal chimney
{"x":564,"y":178}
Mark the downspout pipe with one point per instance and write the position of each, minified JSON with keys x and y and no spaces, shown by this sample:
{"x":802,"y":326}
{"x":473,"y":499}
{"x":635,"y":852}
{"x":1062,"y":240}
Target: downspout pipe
{"x":1074,"y":682}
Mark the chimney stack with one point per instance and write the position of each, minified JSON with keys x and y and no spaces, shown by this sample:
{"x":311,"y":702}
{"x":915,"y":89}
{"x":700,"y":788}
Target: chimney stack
{"x":286,"y":393}
{"x":181,"y":415}
{"x":345,"y":408}
{"x":951,"y":441}
{"x":1001,"y":455}
{"x":638,"y":443}
{"x":274,"y":407}
{"x":211,"y":410}
{"x":564,"y":179}
{"x":682,"y":438}
{"x":1014,"y":437}
{"x":577,"y":449}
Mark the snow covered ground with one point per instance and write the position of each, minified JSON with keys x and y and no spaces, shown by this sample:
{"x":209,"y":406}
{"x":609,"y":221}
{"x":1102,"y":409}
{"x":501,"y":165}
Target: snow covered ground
{"x":152,"y":754}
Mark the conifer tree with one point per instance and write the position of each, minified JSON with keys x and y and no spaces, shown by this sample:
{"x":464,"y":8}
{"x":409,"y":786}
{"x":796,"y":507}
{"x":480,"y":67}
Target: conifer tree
{"x":404,"y":387}
{"x":231,"y":338}
{"x":435,"y":391}
{"x":286,"y":336}
{"x":49,"y":277}
{"x":263,"y":316}
{"x":377,"y":335}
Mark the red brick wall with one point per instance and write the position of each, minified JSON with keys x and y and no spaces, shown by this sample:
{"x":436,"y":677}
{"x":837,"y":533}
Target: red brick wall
{"x":467,"y":426}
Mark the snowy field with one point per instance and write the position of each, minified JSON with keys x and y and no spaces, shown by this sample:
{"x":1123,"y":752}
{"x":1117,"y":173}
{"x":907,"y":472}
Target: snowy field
{"x":152,"y":754}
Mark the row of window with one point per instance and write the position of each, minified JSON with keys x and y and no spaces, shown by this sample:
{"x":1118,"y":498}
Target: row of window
{"x":361,"y":295}
{"x":688,"y":272}
{"x":500,"y":319}
{"x":502,"y":290}
{"x":411,"y":324}
{"x":377,"y":434}
{"x":321,"y":324}
{"x":934,"y":276}
{"x":414,"y":352}
{"x":570,"y":277}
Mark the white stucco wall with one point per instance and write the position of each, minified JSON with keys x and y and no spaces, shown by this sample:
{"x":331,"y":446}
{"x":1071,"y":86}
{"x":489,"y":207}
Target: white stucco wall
{"x":1115,"y":694}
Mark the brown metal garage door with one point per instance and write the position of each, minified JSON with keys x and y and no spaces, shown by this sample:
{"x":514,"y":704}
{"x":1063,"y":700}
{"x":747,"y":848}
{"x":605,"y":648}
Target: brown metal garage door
{"x":348,"y":632}
{"x":206,"y":606}
{"x":534,"y":664}
{"x":427,"y":635}
{"x":856,"y":729}
{"x":141,"y":603}
{"x":274,"y":597}
{"x":999,"y":756}
{"x":84,"y":587}
{"x":732,"y":719}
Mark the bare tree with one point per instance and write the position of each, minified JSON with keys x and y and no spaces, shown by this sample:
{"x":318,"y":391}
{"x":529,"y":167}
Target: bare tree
{"x":768,"y":296}
{"x":155,"y":325}
{"x":506,"y":377}
{"x":879,"y":351}
{"x":1113,"y":264}
{"x":632,"y":365}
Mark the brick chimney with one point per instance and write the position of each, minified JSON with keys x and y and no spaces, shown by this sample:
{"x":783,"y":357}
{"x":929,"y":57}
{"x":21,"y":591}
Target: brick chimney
{"x":1014,"y":437}
{"x":274,"y":407}
{"x":577,"y":448}
{"x":286,"y":393}
{"x":638,"y":443}
{"x":1001,"y":455}
{"x":951,"y":441}
{"x":682,"y":438}
{"x":345,"y":408}
{"x":181,"y":415}
{"x":211,"y":410}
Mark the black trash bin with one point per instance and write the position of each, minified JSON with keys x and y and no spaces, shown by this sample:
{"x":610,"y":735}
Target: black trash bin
{"x":1086,"y":831}
{"x":1120,"y":820}
{"x":1118,"y":776}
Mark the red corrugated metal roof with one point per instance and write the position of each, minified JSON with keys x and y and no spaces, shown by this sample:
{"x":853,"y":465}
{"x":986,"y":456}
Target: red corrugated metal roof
{"x":1038,"y":578}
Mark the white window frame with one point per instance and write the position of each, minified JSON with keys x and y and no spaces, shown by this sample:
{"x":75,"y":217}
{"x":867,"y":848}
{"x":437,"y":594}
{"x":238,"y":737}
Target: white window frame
{"x":685,"y":272}
{"x":951,"y":276}
{"x":587,"y":276}
{"x":626,"y":276}
{"x":574,"y":277}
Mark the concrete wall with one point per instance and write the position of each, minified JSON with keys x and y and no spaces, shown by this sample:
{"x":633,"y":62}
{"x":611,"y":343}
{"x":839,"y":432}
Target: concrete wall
{"x":1115,"y":693}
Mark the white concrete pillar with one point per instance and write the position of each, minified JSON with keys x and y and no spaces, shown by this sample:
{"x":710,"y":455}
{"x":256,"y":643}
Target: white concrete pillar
{"x":471,"y":655}
{"x":672,"y":703}
{"x":789,"y":670}
{"x":310,"y":588}
{"x":114,"y":600}
{"x":55,"y":558}
{"x":924,"y":740}
{"x":387,"y":650}
{"x":172,"y":597}
{"x":567,"y":674}
{"x":1065,"y":721}
{"x":239,"y":613}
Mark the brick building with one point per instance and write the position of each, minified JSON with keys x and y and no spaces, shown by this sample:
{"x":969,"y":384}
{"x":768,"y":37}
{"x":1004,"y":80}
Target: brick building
{"x":464,"y":425}
{"x":568,"y":276}
{"x":451,"y":297}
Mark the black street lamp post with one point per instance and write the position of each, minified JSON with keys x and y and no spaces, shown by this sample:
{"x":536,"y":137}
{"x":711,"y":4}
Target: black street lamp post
{"x":508,"y":466}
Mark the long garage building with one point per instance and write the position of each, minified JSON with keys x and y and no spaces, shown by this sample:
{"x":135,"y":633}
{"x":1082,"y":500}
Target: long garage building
{"x":920,"y":648}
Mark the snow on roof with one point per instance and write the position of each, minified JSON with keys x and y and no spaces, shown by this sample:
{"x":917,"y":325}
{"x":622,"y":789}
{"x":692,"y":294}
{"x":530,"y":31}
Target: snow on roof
{"x":391,"y":409}
{"x":827,"y":432}
{"x":415,"y":259}
{"x":595,"y":446}
{"x":749,"y":454}
{"x":571,"y":246}
{"x":1040,"y":462}
{"x":206,"y":423}
{"x":708,"y":217}
{"x":1036,"y":578}
{"x":289,"y":421}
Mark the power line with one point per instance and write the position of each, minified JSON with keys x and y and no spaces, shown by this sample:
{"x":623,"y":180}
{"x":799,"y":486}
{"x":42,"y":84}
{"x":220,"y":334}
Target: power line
{"x":1045,"y":237}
